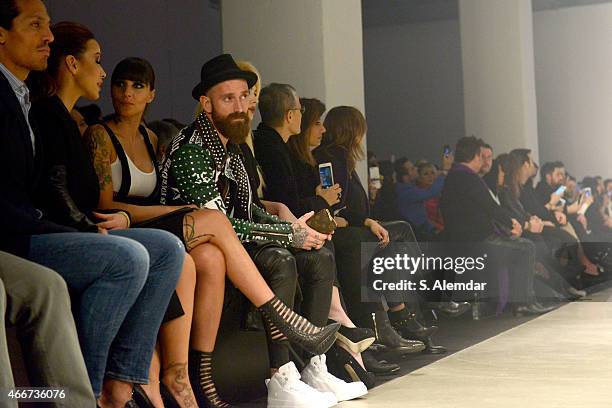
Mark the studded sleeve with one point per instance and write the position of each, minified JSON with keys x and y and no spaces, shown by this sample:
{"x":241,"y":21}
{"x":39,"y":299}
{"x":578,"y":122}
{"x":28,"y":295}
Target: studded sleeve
{"x":262,"y":216}
{"x":194,"y":172}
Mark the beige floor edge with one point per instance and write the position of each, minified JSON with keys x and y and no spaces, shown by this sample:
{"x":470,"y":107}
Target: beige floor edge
{"x":561,"y":359}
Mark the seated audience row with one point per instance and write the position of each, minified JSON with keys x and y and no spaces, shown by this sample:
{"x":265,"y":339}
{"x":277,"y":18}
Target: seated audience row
{"x":61,"y":211}
{"x":141,"y":229}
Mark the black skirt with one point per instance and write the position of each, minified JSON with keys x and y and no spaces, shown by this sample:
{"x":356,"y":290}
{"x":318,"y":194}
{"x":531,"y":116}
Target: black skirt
{"x":173,"y":223}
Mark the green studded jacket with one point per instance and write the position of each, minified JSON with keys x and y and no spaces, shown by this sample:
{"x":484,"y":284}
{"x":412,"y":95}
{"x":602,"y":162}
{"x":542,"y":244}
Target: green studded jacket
{"x":199,"y":170}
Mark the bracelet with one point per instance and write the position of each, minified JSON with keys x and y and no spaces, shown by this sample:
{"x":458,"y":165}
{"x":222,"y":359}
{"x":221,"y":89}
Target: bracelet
{"x":127,"y":217}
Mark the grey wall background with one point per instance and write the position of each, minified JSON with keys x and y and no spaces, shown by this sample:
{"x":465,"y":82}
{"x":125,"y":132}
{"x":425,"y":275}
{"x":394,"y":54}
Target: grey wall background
{"x":414,"y":84}
{"x":412,"y":68}
{"x":573,"y":63}
{"x":175,"y":36}
{"x":413,"y":88}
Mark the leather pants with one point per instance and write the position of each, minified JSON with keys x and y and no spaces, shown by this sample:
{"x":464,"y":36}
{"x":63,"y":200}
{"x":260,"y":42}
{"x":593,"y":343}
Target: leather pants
{"x":277,"y":266}
{"x":283,"y":269}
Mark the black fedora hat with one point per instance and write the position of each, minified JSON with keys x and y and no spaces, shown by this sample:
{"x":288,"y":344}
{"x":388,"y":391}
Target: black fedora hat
{"x":219,"y":69}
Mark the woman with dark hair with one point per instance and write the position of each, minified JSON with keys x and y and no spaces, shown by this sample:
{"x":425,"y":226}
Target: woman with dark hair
{"x":312,"y":196}
{"x":75,"y":72}
{"x":515,"y":174}
{"x":344,"y":128}
{"x":306,"y":174}
{"x":119,"y":357}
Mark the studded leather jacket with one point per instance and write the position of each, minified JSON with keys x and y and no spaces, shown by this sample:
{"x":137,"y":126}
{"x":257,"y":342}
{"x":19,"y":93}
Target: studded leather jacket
{"x":199,"y":170}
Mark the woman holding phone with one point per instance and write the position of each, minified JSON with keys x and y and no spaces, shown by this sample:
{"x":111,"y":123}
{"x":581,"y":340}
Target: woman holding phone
{"x":354,"y":227}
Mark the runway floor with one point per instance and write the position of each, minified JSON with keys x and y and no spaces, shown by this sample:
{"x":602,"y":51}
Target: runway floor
{"x":561,"y":359}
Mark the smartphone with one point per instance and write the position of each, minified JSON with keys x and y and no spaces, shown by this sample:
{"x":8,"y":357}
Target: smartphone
{"x":587,"y":191}
{"x":447,"y":150}
{"x":375,"y":177}
{"x":560,"y":190}
{"x":326,"y":174}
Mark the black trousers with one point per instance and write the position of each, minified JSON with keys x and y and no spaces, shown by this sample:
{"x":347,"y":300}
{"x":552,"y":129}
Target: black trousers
{"x":347,"y":242}
{"x":282,"y":270}
{"x":518,"y":256}
{"x":316,"y":277}
{"x":559,"y":275}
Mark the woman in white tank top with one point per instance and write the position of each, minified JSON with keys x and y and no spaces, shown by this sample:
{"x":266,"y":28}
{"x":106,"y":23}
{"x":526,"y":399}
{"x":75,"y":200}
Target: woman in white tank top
{"x":124,"y":157}
{"x":123,"y":142}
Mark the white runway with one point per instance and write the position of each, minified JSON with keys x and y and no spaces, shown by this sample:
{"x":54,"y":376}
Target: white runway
{"x":561,"y":359}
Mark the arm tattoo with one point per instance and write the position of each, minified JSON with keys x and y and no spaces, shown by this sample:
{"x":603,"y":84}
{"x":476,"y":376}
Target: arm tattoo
{"x":100,"y":152}
{"x":299,"y":235}
{"x":192,"y":239}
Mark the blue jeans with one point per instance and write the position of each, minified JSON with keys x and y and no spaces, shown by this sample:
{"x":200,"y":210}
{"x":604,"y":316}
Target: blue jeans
{"x":123,"y":282}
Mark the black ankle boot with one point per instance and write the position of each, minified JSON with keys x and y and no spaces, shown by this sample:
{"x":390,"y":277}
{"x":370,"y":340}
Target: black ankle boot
{"x":200,"y":375}
{"x":409,"y":327}
{"x":388,"y":336}
{"x":379,"y":367}
{"x":433,"y":348}
{"x":284,"y":324}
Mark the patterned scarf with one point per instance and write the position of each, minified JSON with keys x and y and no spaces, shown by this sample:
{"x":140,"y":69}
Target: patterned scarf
{"x":230,"y":174}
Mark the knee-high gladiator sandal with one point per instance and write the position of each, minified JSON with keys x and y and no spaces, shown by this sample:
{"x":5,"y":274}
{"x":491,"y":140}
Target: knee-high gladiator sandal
{"x":283,"y":324}
{"x":200,"y":367}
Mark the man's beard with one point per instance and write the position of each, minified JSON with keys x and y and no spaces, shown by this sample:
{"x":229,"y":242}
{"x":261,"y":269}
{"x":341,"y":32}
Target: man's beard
{"x":554,"y":185}
{"x":236,"y":131}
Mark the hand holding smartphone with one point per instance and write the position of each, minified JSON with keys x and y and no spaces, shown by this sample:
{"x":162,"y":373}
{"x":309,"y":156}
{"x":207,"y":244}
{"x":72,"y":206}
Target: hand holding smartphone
{"x":447,"y":151}
{"x":375,"y":177}
{"x":586,"y":194}
{"x":560,"y":190}
{"x":326,"y":174}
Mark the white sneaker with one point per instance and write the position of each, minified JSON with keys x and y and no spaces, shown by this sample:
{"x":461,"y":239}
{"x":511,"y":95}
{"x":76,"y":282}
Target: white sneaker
{"x":573,"y":291}
{"x":316,"y":375}
{"x":285,"y":390}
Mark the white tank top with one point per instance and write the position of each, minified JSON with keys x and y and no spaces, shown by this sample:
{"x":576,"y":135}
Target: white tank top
{"x":142,"y":184}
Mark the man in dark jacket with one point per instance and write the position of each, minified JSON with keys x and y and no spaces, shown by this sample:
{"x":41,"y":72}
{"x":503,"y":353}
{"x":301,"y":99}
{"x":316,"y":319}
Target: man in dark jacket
{"x":552,"y":176}
{"x":281,"y":116}
{"x":106,"y":274}
{"x":469,"y":211}
{"x":471,"y":215}
{"x":33,"y":297}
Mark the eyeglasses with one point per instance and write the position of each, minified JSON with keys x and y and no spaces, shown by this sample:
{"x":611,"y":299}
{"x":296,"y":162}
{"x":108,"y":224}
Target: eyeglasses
{"x":302,"y":109}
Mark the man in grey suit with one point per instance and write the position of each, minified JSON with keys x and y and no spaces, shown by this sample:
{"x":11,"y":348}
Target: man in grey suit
{"x":35,"y":300}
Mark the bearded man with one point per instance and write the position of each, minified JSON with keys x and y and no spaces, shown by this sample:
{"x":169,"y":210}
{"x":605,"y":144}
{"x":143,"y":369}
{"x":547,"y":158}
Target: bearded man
{"x":204,"y":166}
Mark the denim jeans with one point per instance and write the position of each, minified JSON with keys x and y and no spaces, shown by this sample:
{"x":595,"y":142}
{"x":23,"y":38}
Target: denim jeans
{"x":123,"y":282}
